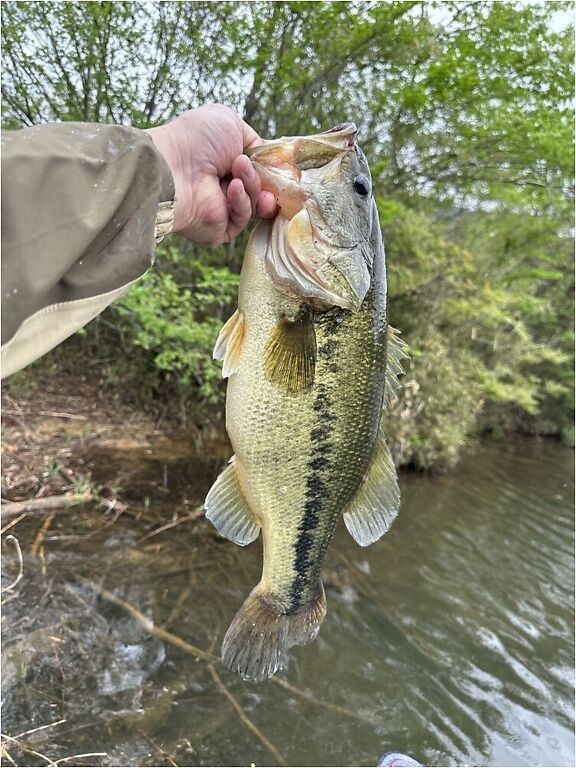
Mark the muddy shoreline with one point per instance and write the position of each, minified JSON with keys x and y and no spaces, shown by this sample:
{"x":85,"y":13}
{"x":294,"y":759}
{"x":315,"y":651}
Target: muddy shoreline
{"x":71,"y":436}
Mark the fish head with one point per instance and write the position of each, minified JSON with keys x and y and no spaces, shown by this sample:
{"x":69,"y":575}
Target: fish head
{"x":321,"y":247}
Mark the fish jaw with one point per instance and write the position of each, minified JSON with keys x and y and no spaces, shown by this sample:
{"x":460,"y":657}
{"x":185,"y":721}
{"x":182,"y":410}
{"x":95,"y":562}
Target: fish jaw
{"x":342,"y":270}
{"x":304,"y":151}
{"x":279,"y":162}
{"x":305,"y":257}
{"x":307,"y":266}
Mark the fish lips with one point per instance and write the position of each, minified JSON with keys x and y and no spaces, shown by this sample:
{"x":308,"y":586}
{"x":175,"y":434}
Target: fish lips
{"x":309,"y":151}
{"x":280,"y":162}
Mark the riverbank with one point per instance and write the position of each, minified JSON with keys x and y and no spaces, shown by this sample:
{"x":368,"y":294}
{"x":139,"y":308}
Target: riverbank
{"x":75,"y":433}
{"x":73,"y":436}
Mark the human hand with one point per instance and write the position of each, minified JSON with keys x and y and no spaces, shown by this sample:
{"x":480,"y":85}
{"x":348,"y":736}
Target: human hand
{"x":217,"y":189}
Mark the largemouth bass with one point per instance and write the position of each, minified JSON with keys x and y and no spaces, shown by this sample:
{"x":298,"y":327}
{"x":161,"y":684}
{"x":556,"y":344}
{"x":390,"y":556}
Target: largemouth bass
{"x":310,"y":362}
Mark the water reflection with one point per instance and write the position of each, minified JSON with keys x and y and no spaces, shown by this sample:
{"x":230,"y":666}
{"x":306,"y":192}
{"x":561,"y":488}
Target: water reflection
{"x":450,"y":640}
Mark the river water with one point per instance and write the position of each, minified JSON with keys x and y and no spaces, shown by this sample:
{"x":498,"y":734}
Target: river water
{"x":451,"y":639}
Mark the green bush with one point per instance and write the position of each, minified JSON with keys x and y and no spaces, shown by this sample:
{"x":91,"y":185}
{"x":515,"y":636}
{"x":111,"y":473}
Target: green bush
{"x":168,"y":331}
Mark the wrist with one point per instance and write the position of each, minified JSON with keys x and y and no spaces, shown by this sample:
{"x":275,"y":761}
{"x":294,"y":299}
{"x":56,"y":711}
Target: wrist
{"x":162,"y":140}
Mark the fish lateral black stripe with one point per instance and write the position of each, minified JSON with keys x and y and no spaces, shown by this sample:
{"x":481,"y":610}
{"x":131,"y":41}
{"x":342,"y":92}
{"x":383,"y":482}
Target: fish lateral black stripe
{"x":316,"y":492}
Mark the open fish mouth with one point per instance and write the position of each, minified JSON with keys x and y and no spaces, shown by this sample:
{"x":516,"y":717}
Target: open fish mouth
{"x":303,"y":254}
{"x":305,"y":152}
{"x":280,"y":163}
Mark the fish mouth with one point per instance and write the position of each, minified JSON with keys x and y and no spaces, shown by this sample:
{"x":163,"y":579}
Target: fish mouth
{"x":302,"y":255}
{"x":312,"y":151}
{"x":281,"y":162}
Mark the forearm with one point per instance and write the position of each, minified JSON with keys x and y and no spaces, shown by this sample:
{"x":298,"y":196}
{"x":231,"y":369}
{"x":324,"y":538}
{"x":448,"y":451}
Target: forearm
{"x":83,"y":206}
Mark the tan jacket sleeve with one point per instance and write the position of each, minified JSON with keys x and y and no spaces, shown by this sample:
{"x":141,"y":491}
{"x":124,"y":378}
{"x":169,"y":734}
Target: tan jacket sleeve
{"x":83,"y":207}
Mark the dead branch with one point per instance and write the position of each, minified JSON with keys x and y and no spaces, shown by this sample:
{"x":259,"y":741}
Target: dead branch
{"x":60,"y":415}
{"x":162,"y":752}
{"x":195,"y":515}
{"x":12,"y":523}
{"x":149,"y":625}
{"x":77,"y":757}
{"x":244,"y":717}
{"x":10,"y":587}
{"x":48,"y":503}
{"x":34,"y":549}
{"x":210,"y":658}
{"x":313,"y":700}
{"x":21,"y":747}
{"x":39,"y":728}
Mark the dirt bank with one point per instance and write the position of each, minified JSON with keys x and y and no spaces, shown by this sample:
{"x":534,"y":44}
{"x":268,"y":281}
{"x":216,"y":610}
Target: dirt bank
{"x":68,"y":435}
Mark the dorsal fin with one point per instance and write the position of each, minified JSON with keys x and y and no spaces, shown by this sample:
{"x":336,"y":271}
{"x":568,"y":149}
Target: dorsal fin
{"x":396,"y":351}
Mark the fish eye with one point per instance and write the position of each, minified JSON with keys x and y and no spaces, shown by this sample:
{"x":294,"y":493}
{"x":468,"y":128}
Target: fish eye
{"x":361,"y":185}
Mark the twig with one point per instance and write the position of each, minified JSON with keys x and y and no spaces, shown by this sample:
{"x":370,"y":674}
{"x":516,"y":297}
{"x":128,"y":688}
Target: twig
{"x":178,"y":607}
{"x":10,"y":587}
{"x":195,"y":515}
{"x":27,"y":749}
{"x":41,"y":534}
{"x":114,"y":503}
{"x":4,"y":752}
{"x":76,"y":757}
{"x":40,"y":728}
{"x":162,"y":752}
{"x":12,"y":524}
{"x":149,"y":625}
{"x":40,"y":506}
{"x":313,"y":700}
{"x":245,"y":719}
{"x":63,"y":416}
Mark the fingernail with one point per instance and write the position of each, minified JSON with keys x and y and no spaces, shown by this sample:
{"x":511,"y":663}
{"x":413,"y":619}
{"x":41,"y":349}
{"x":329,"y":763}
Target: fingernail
{"x":250,"y":173}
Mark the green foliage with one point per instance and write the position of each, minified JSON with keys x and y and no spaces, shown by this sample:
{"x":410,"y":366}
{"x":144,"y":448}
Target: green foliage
{"x":177,"y":327}
{"x":440,"y":399}
{"x":465,"y":113}
{"x":482,"y":329}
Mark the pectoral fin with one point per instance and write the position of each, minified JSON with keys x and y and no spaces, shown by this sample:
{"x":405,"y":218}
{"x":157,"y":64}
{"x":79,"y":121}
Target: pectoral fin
{"x":372,"y":511}
{"x":229,"y":344}
{"x":228,"y":510}
{"x":290,"y":354}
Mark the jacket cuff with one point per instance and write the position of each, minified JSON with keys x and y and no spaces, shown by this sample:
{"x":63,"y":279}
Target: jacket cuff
{"x":164,"y":221}
{"x":165,"y":213}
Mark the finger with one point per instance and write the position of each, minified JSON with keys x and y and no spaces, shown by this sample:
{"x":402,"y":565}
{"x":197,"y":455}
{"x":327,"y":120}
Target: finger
{"x":240,"y":206}
{"x":242,"y":169}
{"x":249,"y":136}
{"x":266,"y":207}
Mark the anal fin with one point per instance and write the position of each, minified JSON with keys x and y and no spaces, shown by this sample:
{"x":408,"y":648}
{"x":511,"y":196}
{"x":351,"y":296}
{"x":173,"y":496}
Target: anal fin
{"x":377,"y":501}
{"x":228,"y":510}
{"x":290,"y":353}
{"x":229,"y":344}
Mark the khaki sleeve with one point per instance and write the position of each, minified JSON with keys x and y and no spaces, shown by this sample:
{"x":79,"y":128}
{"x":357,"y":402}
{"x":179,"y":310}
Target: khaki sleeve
{"x":83,"y":207}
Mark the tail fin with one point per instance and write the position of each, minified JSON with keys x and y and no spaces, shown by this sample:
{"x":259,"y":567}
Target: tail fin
{"x":256,"y":643}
